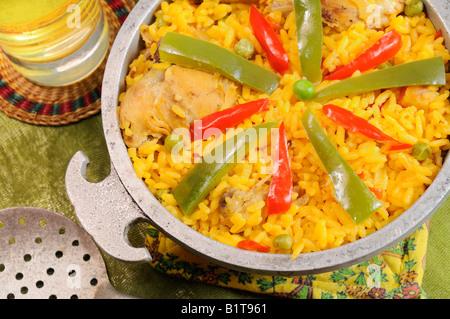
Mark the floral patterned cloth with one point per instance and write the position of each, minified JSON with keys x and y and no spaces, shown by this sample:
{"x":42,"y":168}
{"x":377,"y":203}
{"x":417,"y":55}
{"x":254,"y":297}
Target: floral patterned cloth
{"x":394,"y":274}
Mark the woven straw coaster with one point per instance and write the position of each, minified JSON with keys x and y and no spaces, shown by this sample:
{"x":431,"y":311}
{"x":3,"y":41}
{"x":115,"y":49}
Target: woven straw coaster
{"x":53,"y":106}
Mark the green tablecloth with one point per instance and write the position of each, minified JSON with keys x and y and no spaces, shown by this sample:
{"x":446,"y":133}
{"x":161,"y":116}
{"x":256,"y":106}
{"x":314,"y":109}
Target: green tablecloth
{"x":33,"y":163}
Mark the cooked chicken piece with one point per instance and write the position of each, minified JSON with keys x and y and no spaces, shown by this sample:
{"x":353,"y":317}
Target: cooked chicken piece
{"x":340,"y":14}
{"x":163,"y":101}
{"x":235,"y":200}
{"x":376,"y":14}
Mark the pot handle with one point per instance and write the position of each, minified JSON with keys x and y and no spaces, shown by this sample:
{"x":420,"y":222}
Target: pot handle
{"x":105,"y":210}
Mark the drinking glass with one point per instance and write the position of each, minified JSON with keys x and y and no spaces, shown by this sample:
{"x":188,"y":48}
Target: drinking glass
{"x":54,"y":42}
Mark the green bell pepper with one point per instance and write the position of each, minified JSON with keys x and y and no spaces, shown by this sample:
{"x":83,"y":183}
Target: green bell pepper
{"x":350,"y":191}
{"x":308,"y":20}
{"x":429,"y":71}
{"x":204,"y":176}
{"x":206,"y":56}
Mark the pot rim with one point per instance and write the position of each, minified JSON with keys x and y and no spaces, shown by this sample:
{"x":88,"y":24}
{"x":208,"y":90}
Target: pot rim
{"x":124,"y":50}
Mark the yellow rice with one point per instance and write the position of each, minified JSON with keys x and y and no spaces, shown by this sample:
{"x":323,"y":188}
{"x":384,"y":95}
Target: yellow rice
{"x":320,"y":223}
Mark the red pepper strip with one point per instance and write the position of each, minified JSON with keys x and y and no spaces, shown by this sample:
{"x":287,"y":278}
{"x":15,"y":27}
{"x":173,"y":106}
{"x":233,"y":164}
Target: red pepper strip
{"x":378,"y":192}
{"x":249,"y":244}
{"x":382,"y":51}
{"x":355,"y":123}
{"x":438,"y":34}
{"x":266,"y":36}
{"x":397,"y":146}
{"x":226,"y":118}
{"x":279,"y":198}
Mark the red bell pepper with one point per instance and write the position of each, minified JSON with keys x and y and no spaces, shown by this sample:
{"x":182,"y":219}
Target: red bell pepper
{"x":227,"y":118}
{"x":378,"y":192}
{"x":397,"y":146}
{"x":249,"y":244}
{"x":279,"y":198}
{"x":355,"y":123}
{"x":266,"y":36}
{"x":382,"y":51}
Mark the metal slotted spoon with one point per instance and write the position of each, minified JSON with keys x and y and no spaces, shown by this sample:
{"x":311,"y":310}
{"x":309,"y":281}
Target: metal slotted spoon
{"x":46,"y":255}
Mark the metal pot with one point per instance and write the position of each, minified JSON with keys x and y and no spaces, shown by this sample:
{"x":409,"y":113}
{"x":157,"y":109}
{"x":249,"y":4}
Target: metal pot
{"x":109,"y":208}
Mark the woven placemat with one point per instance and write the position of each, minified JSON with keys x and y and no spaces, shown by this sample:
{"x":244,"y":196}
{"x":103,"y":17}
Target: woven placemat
{"x":54,"y":106}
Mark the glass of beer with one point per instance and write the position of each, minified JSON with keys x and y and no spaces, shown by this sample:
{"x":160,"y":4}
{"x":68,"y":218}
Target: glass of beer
{"x":54,"y":42}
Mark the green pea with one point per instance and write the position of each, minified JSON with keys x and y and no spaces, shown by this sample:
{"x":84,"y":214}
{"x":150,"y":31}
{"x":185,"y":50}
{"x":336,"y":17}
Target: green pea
{"x":283,"y":241}
{"x":244,"y":48}
{"x":303,"y":89}
{"x":414,"y":8}
{"x":172,"y":141}
{"x":421,"y":151}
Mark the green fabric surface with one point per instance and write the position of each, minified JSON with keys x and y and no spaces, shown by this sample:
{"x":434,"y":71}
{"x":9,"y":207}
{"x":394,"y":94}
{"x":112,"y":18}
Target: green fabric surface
{"x":33,"y":163}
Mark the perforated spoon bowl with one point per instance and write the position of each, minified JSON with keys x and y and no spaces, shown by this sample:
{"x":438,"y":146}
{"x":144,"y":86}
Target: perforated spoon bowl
{"x":44,"y":254}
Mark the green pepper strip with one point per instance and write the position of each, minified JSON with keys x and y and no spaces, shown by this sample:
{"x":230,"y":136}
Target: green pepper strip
{"x":429,"y":71}
{"x":350,"y":191}
{"x":204,"y":176}
{"x":308,"y":19}
{"x":206,"y":56}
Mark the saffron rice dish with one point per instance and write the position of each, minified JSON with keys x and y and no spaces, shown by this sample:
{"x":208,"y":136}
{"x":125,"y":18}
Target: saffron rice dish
{"x":235,"y":210}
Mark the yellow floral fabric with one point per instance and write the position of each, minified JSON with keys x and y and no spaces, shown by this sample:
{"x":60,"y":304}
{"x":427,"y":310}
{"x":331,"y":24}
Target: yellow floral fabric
{"x":394,"y":274}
